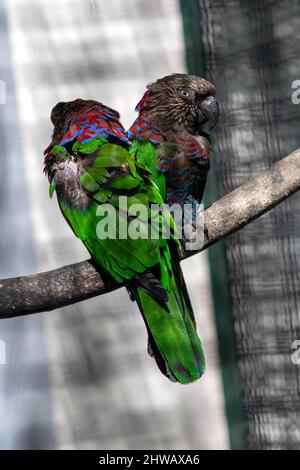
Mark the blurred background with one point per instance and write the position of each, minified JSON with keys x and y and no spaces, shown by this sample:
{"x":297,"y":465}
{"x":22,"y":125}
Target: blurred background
{"x":80,"y":377}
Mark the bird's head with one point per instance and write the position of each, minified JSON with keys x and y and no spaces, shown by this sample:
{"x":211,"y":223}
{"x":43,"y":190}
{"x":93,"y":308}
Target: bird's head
{"x":64,"y":110}
{"x":182,"y":100}
{"x":59,"y":113}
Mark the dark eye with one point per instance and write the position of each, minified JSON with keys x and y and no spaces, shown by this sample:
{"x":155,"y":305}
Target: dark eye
{"x":186,"y":93}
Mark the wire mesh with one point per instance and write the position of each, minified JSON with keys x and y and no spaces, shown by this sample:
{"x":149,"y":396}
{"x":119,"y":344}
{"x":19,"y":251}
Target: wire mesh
{"x":251,"y":51}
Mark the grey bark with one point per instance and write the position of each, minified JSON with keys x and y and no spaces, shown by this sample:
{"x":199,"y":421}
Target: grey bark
{"x":70,"y":284}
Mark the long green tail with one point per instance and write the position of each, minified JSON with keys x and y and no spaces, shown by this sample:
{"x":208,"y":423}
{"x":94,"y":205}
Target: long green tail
{"x":173,"y":339}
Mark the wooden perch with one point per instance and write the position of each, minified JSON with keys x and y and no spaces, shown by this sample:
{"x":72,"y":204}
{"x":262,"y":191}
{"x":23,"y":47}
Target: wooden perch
{"x":69,"y":284}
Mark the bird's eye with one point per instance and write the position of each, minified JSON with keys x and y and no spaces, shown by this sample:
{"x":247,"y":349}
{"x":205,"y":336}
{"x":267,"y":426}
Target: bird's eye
{"x":186,"y":93}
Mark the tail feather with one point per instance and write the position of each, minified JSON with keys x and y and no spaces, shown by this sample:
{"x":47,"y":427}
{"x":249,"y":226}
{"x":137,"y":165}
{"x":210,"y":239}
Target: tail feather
{"x":154,"y":352}
{"x":173,"y":340}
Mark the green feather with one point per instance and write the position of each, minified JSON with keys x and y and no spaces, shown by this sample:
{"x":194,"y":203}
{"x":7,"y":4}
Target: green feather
{"x":89,"y":182}
{"x":88,"y":147}
{"x":175,"y":335}
{"x":51,"y":189}
{"x":145,"y":155}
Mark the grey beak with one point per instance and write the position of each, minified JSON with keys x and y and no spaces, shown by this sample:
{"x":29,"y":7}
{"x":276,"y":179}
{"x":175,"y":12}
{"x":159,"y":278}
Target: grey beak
{"x":210,"y":109}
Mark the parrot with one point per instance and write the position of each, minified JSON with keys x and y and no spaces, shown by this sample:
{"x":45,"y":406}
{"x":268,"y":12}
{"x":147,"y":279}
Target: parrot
{"x":169,"y":138}
{"x":169,"y":135}
{"x":91,"y":164}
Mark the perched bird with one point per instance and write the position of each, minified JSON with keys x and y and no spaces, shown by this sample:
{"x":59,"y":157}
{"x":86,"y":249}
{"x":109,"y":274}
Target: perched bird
{"x":169,"y":139}
{"x":168,"y":135}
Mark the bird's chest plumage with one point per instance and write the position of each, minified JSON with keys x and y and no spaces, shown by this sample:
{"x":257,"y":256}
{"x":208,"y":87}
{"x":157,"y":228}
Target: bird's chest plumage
{"x":68,"y":188}
{"x":185,"y":162}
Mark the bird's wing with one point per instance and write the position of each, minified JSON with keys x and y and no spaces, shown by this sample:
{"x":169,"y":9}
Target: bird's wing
{"x":107,"y":171}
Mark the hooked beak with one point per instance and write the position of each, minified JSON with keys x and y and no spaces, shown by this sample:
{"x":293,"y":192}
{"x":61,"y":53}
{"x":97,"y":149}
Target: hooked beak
{"x":210,"y":110}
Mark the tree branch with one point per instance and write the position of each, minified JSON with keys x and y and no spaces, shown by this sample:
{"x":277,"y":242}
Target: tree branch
{"x":69,"y":284}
